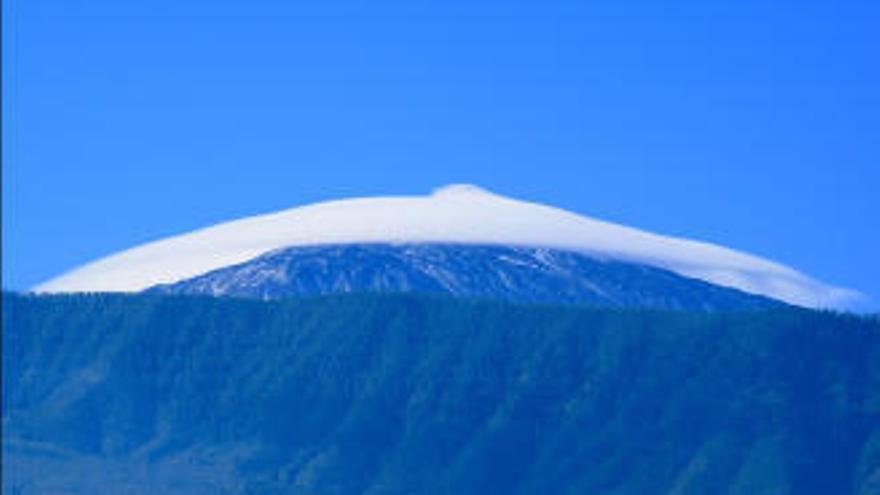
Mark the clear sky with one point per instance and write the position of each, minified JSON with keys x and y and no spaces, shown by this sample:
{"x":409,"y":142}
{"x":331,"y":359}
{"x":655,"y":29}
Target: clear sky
{"x":753,"y":124}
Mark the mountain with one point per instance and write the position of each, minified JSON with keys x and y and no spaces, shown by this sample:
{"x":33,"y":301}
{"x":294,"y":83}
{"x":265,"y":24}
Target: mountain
{"x":464,"y":215}
{"x":401,"y":394}
{"x":525,"y":274}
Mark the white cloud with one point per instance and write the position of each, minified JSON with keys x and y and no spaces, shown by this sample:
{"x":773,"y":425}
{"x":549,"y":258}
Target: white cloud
{"x":453,"y":214}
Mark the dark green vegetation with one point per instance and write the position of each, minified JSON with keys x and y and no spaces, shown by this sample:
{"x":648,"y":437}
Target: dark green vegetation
{"x":408,"y":394}
{"x":507,"y":273}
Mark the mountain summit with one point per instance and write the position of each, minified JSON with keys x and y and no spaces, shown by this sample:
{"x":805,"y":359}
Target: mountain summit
{"x":456,"y":214}
{"x":508,"y":273}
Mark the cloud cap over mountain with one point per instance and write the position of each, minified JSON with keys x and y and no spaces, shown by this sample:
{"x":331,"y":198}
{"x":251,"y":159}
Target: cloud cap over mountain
{"x":453,"y":214}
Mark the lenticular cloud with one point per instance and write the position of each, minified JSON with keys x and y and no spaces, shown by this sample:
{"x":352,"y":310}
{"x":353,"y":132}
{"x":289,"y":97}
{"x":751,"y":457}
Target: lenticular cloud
{"x":453,"y":214}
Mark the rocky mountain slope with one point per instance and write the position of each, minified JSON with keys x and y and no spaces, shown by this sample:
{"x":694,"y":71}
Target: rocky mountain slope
{"x":521,"y":274}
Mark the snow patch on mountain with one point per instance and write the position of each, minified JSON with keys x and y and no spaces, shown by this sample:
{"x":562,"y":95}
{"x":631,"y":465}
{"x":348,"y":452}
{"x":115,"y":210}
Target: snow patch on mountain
{"x":453,"y":214}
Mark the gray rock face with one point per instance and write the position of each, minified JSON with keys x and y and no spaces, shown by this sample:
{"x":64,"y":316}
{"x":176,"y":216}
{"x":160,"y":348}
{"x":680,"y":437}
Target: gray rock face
{"x":521,"y":274}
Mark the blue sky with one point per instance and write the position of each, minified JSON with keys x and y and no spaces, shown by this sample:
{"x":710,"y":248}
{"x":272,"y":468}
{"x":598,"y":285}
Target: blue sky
{"x":753,"y":124}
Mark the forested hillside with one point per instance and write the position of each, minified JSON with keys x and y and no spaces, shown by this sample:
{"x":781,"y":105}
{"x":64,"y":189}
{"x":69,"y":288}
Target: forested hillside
{"x":415,"y":394}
